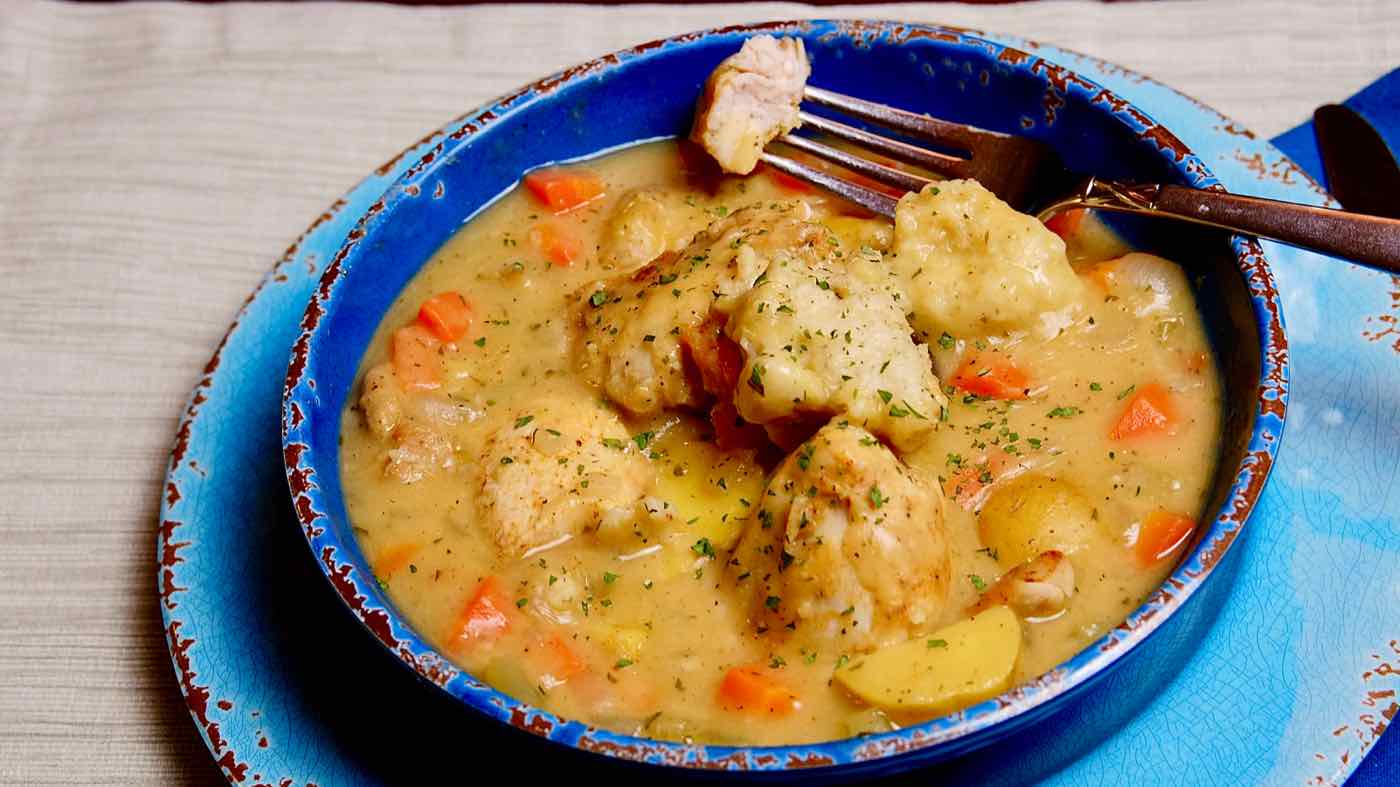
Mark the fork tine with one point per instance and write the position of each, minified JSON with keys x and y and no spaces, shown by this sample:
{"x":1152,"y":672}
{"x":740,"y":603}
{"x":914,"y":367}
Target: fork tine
{"x":942,"y":163}
{"x":887,"y":175}
{"x":874,"y":201}
{"x":929,"y":129}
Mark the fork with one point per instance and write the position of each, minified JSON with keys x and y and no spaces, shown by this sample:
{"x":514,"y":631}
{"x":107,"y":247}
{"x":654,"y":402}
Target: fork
{"x":1029,"y":175}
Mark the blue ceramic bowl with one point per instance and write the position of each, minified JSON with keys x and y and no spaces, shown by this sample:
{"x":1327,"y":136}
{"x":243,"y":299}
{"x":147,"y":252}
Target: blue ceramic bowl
{"x":647,"y":93}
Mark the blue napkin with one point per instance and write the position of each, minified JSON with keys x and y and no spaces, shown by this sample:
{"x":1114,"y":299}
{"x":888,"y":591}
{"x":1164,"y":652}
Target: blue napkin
{"x":1379,"y":103}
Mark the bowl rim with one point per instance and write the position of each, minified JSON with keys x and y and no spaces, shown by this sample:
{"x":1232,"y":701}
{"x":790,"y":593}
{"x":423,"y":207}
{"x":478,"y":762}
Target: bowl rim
{"x":948,"y":734}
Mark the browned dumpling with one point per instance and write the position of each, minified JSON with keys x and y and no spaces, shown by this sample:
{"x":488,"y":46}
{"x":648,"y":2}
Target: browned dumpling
{"x":750,"y":100}
{"x":848,"y":544}
{"x":553,"y":468}
{"x":633,"y":329}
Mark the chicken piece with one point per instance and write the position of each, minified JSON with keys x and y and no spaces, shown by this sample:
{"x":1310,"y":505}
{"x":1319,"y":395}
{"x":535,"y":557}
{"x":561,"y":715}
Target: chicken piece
{"x":750,"y":100}
{"x":1039,"y":589}
{"x":849,"y":544}
{"x":554,"y":467}
{"x":631,"y":328}
{"x":973,"y":265}
{"x":416,"y":426}
{"x":823,"y":337}
{"x":647,"y":223}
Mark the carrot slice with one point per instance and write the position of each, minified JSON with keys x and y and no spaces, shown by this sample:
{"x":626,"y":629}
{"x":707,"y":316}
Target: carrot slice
{"x":393,"y":559}
{"x":1066,"y":222}
{"x":556,"y":243}
{"x":752,"y":689}
{"x":1149,"y":412}
{"x":484,"y":618}
{"x":560,"y":660}
{"x":1160,"y":535}
{"x":562,"y":190}
{"x":448,"y":315}
{"x":413,"y":356}
{"x":992,"y":375}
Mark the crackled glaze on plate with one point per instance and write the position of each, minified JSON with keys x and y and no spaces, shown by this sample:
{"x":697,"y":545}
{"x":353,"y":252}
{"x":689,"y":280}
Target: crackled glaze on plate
{"x":1240,"y":711}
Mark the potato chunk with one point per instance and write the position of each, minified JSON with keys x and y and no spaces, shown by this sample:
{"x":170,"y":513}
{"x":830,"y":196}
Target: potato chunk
{"x":973,"y":265}
{"x":1034,"y":513}
{"x":847,"y":543}
{"x":954,"y":667}
{"x":826,"y":338}
{"x":750,"y":100}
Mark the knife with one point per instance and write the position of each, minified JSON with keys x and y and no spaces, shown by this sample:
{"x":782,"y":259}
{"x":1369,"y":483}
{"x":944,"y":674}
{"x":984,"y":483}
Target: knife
{"x":1361,"y":171}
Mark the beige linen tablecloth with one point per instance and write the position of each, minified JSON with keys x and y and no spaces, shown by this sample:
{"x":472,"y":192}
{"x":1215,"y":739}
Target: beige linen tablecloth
{"x":155,"y":159}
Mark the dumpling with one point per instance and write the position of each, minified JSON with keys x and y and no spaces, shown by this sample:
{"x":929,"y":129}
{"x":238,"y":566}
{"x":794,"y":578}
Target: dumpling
{"x":825,"y":337}
{"x":750,"y":100}
{"x":555,"y":467}
{"x":972,"y":265}
{"x":645,"y":224}
{"x":848,"y":544}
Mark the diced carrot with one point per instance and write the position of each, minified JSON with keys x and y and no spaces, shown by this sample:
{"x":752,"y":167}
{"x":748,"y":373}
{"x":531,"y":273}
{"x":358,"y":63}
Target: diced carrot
{"x":732,"y":432}
{"x":448,"y":315}
{"x":484,"y":618}
{"x":556,"y":243}
{"x":718,"y":357}
{"x":1066,"y":222}
{"x":393,"y":559}
{"x":562,"y":190}
{"x":752,"y":689}
{"x":1160,"y":535}
{"x":413,"y":355}
{"x":1149,"y":412}
{"x":560,"y":660}
{"x":992,"y":375}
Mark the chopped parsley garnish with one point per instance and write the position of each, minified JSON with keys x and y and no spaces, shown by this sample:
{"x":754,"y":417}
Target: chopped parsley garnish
{"x":613,"y":442}
{"x":704,"y":548}
{"x":772,"y":602}
{"x":1064,"y":412}
{"x":609,"y":577}
{"x":1123,"y":394}
{"x":804,"y":457}
{"x":523,"y":420}
{"x":642,"y":439}
{"x":667,"y":278}
{"x":1095,"y":387}
{"x":977,"y":582}
{"x":480,"y":342}
{"x":938,"y":643}
{"x":598,"y":298}
{"x":521,"y":602}
{"x":622,"y":664}
{"x":824,"y":284}
{"x":897,"y":412}
{"x":946,"y":342}
{"x":506,"y":460}
{"x":885,"y":396}
{"x":877,"y":498}
{"x":756,"y":378}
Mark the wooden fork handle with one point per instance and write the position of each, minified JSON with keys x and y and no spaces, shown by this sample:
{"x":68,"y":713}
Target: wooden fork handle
{"x":1372,"y":241}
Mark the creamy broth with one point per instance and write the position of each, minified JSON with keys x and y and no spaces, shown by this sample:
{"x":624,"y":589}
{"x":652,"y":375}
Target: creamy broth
{"x":634,"y":625}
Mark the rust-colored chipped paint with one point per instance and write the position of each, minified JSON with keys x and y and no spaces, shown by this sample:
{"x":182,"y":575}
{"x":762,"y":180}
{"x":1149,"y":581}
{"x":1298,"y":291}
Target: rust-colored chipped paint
{"x":1237,"y":130}
{"x":197,"y":698}
{"x":1382,"y":708}
{"x":1387,"y":325}
{"x":376,"y":620}
{"x":537,"y":724}
{"x":172,"y":493}
{"x":296,"y":415}
{"x":810,"y":760}
{"x":639,"y":751}
{"x":388,"y":166}
{"x":439,"y":190}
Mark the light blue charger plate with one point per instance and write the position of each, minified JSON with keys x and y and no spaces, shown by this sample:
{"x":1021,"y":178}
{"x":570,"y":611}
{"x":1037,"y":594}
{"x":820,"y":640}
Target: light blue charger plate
{"x":1293,"y":683}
